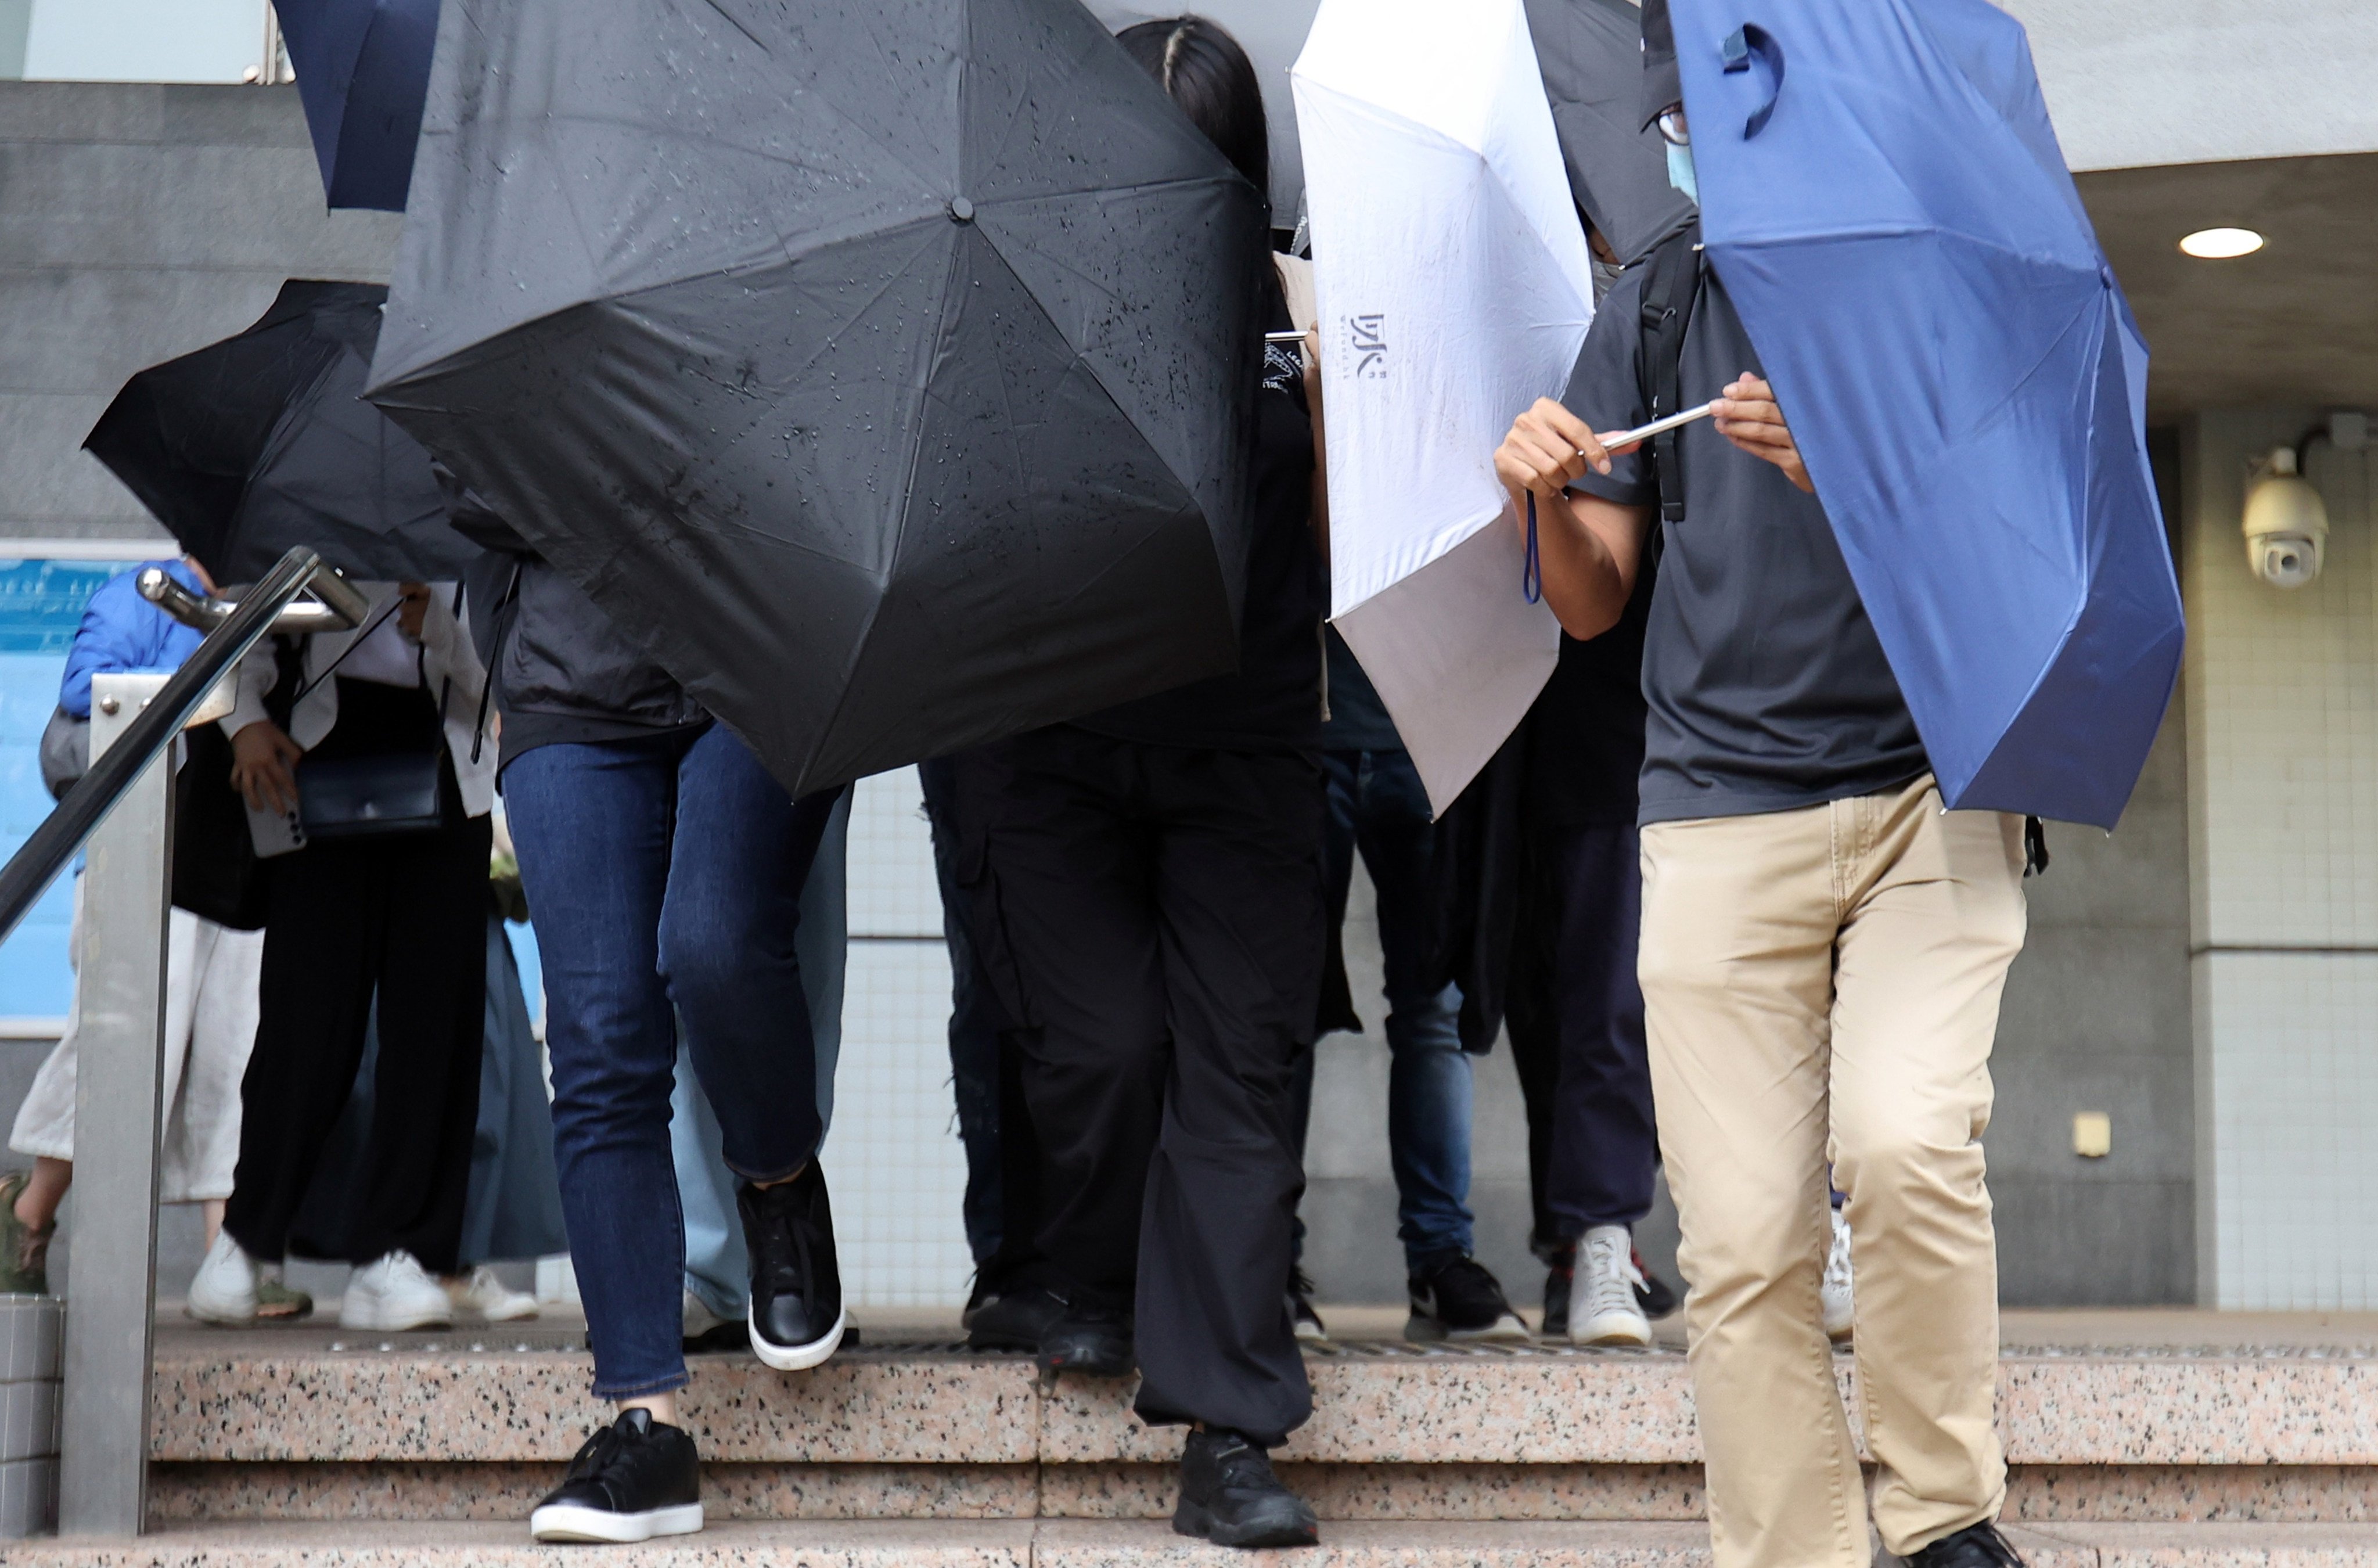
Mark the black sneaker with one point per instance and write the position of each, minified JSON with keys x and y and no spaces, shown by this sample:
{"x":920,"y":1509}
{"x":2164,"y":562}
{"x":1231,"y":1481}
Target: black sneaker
{"x":1014,"y":1320}
{"x":1093,"y":1340}
{"x":1309,"y":1326}
{"x":1655,"y":1295}
{"x":1458,"y":1299}
{"x":797,"y":1314}
{"x":633,"y":1480}
{"x":1230,"y":1496}
{"x":1975,"y":1546}
{"x":1559,"y":1274}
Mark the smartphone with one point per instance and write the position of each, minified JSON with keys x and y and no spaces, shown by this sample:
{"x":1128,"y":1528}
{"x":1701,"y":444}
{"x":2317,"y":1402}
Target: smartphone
{"x":275,"y":832}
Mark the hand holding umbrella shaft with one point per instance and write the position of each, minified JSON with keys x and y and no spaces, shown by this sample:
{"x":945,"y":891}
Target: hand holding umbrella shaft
{"x":1749,"y":418}
{"x":1590,"y":547}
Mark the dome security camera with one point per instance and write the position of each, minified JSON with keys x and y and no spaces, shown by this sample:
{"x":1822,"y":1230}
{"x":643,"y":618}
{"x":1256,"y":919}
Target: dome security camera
{"x":2286,"y":525}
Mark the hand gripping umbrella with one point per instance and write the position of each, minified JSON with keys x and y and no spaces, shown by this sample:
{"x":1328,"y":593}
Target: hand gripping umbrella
{"x":1591,"y":53}
{"x":885,"y":371}
{"x":362,"y":69}
{"x":1455,"y":289}
{"x":262,"y":441}
{"x":1884,"y":198}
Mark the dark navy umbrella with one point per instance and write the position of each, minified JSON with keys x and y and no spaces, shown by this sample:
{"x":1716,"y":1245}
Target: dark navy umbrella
{"x":363,"y":69}
{"x":1883,"y":196}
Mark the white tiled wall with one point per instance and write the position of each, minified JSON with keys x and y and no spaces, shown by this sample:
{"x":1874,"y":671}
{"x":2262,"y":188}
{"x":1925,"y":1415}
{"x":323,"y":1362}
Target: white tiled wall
{"x":897,"y":1169}
{"x":2283,"y":786}
{"x":29,"y":1331}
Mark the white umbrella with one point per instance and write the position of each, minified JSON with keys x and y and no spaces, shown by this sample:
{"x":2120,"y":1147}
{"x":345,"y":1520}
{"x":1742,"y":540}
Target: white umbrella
{"x":1271,"y":31}
{"x":1454,"y":289}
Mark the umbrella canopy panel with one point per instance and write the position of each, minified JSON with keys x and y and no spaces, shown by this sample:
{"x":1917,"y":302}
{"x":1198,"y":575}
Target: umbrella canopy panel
{"x":1886,"y":203}
{"x":1591,"y":53}
{"x":363,"y":67}
{"x":262,"y":441}
{"x":886,"y":371}
{"x":1455,"y":289}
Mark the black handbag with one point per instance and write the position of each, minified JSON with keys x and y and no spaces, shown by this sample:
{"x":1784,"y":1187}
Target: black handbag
{"x":353,"y":797}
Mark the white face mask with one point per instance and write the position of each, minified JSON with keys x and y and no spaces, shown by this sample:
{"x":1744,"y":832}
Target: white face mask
{"x":1680,"y":173}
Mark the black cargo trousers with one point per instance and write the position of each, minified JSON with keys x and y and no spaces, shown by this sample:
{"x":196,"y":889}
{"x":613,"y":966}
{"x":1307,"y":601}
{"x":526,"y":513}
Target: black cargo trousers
{"x":1155,"y":914}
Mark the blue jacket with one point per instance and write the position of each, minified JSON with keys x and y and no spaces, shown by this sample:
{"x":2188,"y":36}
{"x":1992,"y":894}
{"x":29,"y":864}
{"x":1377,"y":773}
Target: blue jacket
{"x":122,"y":633}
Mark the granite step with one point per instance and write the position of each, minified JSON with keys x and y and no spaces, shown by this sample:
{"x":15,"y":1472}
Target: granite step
{"x":455,"y":1429}
{"x":1084,"y":1544}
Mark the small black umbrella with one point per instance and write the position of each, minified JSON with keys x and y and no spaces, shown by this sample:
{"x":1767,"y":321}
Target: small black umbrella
{"x":885,"y":371}
{"x":261,"y":441}
{"x":1591,"y":53}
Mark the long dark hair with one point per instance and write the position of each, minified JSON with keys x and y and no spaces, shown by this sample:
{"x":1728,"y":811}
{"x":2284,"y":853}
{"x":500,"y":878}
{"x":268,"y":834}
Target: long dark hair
{"x":1204,"y":71}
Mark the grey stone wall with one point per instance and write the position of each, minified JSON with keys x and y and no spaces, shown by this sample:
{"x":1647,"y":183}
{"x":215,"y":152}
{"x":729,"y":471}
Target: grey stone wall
{"x":140,"y":221}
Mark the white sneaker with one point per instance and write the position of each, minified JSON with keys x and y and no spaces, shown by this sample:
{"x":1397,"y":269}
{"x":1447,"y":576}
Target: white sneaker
{"x":395,"y":1292}
{"x":480,"y":1298}
{"x":1604,"y":1307}
{"x":224,"y":1290}
{"x":1601,"y":1305}
{"x":1841,"y":1303}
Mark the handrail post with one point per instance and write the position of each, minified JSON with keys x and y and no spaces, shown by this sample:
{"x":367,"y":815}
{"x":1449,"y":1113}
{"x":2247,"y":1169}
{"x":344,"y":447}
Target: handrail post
{"x":103,"y":1470}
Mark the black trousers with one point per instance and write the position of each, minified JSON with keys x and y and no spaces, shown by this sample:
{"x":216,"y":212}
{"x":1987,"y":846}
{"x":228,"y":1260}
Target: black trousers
{"x":1155,"y":914}
{"x":1576,"y":1020}
{"x":402,"y":916}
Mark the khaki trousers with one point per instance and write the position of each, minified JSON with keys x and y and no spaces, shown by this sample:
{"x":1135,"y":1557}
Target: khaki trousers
{"x":1821,"y":986}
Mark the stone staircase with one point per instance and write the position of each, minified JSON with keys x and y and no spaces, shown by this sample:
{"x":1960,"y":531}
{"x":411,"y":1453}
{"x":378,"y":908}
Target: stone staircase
{"x":303,"y":1446}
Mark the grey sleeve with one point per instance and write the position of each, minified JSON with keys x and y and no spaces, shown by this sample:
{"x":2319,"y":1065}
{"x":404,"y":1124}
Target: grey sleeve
{"x":1607,"y":391}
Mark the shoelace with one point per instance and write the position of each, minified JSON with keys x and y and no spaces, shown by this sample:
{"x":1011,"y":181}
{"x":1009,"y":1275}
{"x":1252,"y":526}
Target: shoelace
{"x":1612,"y":1276}
{"x":592,"y":1454}
{"x":788,"y":1265}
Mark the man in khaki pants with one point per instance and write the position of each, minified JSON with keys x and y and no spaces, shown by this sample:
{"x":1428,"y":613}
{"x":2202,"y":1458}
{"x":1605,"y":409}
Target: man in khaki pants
{"x":1822,"y":953}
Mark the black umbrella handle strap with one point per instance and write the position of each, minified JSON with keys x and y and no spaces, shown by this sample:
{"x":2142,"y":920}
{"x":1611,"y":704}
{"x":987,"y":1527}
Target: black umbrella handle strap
{"x":308,"y":689}
{"x":1671,"y":289}
{"x":487,"y":677}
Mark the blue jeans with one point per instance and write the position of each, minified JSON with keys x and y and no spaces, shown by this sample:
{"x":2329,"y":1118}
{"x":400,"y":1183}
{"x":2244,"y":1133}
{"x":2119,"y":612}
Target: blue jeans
{"x":1377,"y":805}
{"x":716,"y":1267}
{"x":663,"y":871}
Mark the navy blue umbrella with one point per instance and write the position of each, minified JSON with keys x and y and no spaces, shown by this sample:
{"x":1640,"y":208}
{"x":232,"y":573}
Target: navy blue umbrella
{"x":1883,"y":197}
{"x":362,"y":70}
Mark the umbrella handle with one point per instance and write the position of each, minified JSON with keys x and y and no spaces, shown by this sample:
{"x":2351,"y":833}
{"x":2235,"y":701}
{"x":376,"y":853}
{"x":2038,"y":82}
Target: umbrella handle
{"x":1532,"y":569}
{"x":1750,"y":40}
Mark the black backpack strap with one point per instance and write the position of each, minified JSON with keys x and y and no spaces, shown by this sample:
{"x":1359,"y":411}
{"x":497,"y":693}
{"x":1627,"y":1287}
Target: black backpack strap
{"x":1671,"y":289}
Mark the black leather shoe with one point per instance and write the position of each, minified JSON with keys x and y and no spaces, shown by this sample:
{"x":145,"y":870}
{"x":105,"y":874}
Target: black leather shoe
{"x":797,"y":1314}
{"x":1230,"y":1496}
{"x":631,"y":1480}
{"x":1014,"y":1320}
{"x":1975,"y":1546}
{"x":1094,"y":1341}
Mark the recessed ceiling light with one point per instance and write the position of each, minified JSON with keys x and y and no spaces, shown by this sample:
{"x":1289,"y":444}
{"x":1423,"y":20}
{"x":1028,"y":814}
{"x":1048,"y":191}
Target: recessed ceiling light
{"x":2220,"y":245}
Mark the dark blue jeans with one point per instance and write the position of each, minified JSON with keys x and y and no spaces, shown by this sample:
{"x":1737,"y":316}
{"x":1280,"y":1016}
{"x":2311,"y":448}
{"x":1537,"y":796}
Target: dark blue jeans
{"x":1378,"y":806}
{"x":659,"y":872}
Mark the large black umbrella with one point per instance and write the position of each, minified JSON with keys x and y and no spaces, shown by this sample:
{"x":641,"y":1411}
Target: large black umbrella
{"x":1591,"y":53}
{"x":884,"y":371}
{"x":261,"y":441}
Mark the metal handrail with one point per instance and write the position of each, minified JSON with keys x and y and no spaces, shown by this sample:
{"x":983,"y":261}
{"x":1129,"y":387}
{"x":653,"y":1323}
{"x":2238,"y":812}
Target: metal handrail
{"x":342,"y":606}
{"x":33,"y":867}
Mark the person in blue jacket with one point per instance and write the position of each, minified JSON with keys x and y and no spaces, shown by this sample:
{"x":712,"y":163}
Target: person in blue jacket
{"x":211,"y":1003}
